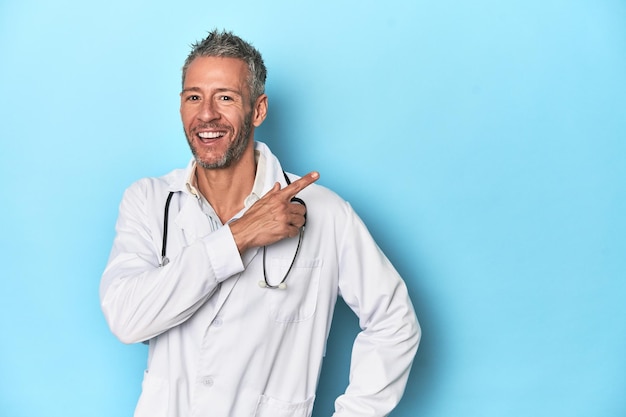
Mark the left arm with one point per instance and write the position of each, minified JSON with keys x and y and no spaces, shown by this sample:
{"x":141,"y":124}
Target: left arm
{"x":383,"y":351}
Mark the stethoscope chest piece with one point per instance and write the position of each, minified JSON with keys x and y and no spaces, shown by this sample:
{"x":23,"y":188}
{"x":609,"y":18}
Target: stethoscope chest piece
{"x":281,"y":286}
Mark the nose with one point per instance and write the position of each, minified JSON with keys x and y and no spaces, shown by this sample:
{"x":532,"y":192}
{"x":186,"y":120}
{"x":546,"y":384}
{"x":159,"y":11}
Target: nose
{"x":208,"y":111}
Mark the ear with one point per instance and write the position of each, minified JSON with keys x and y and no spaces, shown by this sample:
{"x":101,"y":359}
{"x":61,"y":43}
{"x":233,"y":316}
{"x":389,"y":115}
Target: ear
{"x":259,"y":112}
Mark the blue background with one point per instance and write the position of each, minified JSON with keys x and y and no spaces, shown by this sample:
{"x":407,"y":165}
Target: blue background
{"x":483,"y":143}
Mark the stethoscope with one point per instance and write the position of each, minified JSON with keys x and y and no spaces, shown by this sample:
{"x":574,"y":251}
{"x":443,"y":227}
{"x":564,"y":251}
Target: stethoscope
{"x":263,"y":283}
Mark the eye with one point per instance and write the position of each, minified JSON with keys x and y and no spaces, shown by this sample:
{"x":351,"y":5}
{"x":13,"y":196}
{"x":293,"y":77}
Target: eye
{"x":193,"y":97}
{"x":225,"y":98}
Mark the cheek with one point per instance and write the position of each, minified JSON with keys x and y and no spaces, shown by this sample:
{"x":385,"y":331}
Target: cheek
{"x":186,"y":117}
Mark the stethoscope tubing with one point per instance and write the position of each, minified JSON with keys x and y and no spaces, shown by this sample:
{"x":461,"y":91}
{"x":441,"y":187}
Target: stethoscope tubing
{"x":264,"y":283}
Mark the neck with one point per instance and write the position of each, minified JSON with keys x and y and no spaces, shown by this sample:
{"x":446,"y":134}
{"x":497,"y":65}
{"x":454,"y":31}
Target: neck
{"x":227,"y":188}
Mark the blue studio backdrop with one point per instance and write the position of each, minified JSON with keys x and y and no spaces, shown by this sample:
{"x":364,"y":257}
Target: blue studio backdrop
{"x":482,"y":142}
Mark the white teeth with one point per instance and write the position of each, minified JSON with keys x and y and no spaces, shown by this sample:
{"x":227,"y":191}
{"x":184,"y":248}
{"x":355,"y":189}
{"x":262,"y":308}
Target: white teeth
{"x":210,"y":135}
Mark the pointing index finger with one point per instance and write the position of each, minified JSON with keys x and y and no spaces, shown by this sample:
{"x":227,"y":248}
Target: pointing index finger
{"x":301,"y":183}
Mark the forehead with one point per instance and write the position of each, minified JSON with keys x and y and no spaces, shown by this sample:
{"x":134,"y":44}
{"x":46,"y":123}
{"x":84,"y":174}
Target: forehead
{"x":216,"y":71}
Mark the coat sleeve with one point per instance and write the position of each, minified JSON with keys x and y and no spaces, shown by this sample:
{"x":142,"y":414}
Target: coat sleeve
{"x":383,"y":351}
{"x":141,"y":300}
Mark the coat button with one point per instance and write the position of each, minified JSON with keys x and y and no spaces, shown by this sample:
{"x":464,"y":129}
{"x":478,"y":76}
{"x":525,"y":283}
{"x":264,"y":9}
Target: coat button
{"x":207,"y":381}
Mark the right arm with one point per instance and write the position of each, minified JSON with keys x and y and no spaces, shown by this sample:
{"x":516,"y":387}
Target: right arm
{"x":141,"y":300}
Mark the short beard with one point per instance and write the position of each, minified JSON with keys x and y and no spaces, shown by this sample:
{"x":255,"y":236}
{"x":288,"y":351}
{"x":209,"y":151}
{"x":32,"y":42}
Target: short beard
{"x":234,"y":151}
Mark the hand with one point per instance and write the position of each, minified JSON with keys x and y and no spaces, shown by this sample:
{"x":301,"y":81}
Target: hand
{"x":274,"y":217}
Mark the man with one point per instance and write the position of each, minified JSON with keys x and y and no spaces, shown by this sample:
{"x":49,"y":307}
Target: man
{"x":238,"y":309}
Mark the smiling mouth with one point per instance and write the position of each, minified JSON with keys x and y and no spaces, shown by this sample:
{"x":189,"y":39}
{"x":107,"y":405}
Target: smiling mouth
{"x":211,"y":135}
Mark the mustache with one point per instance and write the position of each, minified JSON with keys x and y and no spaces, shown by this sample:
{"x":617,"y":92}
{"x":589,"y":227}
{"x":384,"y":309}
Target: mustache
{"x":210,"y":125}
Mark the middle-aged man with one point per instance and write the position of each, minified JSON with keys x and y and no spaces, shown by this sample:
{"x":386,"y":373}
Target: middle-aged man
{"x":238,"y":305}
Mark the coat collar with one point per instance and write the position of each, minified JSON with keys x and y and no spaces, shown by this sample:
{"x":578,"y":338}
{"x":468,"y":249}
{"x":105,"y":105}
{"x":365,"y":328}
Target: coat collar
{"x":269,"y":171}
{"x":190,"y":217}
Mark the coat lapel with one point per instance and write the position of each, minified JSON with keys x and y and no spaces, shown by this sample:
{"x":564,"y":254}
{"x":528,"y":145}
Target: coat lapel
{"x":192,"y":221}
{"x":193,"y":225}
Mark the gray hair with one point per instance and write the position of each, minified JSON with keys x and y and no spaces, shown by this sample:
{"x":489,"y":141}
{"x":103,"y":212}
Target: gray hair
{"x":225,"y":44}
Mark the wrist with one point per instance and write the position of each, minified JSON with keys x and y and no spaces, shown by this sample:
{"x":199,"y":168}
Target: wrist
{"x":240,"y":237}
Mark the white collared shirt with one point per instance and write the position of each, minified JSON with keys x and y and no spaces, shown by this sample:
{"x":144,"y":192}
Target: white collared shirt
{"x":257,"y":190}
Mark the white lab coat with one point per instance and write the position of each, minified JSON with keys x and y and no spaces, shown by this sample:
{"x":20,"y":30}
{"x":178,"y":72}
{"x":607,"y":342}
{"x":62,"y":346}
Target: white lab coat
{"x":221,"y":346}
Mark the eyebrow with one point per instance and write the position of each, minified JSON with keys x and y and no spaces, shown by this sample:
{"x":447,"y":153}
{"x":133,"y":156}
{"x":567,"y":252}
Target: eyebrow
{"x":219,"y":90}
{"x":186,"y":90}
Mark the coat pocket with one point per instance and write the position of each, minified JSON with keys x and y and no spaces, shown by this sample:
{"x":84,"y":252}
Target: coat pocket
{"x":271,"y":407}
{"x":153,"y":401}
{"x":298,"y":301}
